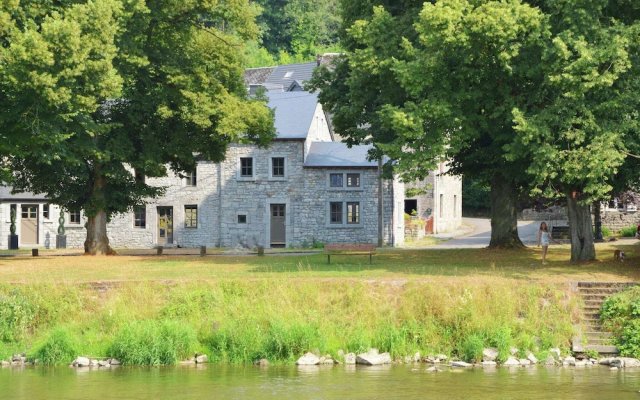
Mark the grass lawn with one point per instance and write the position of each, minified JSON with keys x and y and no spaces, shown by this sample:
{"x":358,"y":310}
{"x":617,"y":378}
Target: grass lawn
{"x":388,"y":264}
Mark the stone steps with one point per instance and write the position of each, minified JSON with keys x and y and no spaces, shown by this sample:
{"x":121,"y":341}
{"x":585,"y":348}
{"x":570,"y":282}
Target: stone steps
{"x":594,"y":337}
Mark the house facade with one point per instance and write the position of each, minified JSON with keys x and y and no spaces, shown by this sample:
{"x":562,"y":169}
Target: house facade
{"x":307,"y":187}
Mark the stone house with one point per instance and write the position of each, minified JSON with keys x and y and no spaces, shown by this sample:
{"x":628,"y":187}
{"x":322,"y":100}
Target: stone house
{"x":307,"y":187}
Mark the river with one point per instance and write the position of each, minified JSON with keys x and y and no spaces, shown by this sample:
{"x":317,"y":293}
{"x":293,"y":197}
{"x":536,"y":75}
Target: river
{"x":340,"y":382}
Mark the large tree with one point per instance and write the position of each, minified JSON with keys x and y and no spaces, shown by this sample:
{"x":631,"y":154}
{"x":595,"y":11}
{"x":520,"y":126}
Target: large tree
{"x":97,"y":95}
{"x":426,"y":80}
{"x":578,"y":136}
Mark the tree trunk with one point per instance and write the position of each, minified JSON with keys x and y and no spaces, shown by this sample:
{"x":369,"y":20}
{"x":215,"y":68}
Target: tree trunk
{"x":97,"y":241}
{"x":504,"y":217}
{"x":582,"y":247}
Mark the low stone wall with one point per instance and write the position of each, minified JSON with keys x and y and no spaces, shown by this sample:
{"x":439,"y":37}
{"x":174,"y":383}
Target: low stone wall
{"x":617,"y":220}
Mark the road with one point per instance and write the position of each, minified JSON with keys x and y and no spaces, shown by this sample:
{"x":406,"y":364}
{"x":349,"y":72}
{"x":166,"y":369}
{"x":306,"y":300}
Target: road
{"x":476,"y":233}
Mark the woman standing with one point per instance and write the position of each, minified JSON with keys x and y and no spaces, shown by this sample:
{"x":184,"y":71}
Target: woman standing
{"x":544,"y":237}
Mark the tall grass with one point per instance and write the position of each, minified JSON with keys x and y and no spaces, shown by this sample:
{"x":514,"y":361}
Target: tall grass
{"x":239,"y":321}
{"x":60,"y":347}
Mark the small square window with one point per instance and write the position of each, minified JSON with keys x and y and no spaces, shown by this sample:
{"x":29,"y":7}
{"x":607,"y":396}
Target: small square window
{"x":74,"y":217}
{"x":335,"y":180}
{"x":45,"y":211}
{"x":191,"y":216}
{"x":246,"y":167}
{"x":335,"y":211}
{"x":353,"y":180}
{"x":277,"y":167}
{"x":353,"y":213}
{"x":242,"y":218}
{"x":191,"y":178}
{"x":140,"y":217}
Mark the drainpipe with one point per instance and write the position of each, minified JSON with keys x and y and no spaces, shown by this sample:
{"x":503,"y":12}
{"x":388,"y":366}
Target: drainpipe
{"x":219,"y":188}
{"x":380,"y":205}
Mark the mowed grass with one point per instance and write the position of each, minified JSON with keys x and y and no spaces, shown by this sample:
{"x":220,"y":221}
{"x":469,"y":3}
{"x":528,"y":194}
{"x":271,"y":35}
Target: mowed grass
{"x":431,"y":264}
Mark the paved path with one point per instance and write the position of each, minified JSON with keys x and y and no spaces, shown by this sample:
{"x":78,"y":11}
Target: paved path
{"x":476,"y":233}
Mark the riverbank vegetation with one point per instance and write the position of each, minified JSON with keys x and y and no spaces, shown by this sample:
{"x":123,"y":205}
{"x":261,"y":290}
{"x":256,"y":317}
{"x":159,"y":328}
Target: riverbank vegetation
{"x":238,"y":309}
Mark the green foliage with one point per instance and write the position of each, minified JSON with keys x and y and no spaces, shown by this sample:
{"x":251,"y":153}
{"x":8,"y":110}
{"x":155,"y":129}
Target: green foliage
{"x":60,"y":347}
{"x":17,"y":316}
{"x":154,"y":342}
{"x":471,"y":348}
{"x":629,"y":231}
{"x":621,"y":314}
{"x":502,"y":339}
{"x":475,"y":196}
{"x":606,"y":232}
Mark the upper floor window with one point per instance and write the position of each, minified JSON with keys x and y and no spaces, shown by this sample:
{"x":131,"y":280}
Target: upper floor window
{"x":246,"y":167}
{"x":74,"y":216}
{"x":277,"y":167}
{"x":140,"y":217}
{"x":345,"y":180}
{"x":335,"y":180}
{"x":190,"y":178}
{"x":191,"y":216}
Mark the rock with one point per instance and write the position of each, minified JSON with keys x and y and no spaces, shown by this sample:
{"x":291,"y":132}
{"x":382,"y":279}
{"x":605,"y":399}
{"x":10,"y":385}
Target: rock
{"x":350,"y":359}
{"x":201,"y":359}
{"x":555,"y":352}
{"x":93,"y":363}
{"x":605,"y":361}
{"x":308,"y":359}
{"x":114,"y":361}
{"x":532,"y":358}
{"x":461,"y":364}
{"x":489,"y":354}
{"x":630,"y":362}
{"x":81,"y":362}
{"x":373,"y":358}
{"x":524,"y":362}
{"x":263,"y":362}
{"x":580,"y":363}
{"x":104,"y":363}
{"x":550,"y":360}
{"x":511,"y":362}
{"x":5,"y":363}
{"x":489,"y":363}
{"x":416,"y":357}
{"x":327,"y":360}
{"x":613,"y":368}
{"x":569,"y":361}
{"x":190,"y":361}
{"x":442,"y":357}
{"x":433,"y":369}
{"x":513,"y":351}
{"x":616,"y":362}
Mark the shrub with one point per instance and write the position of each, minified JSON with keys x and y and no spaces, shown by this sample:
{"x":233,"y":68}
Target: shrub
{"x":60,"y":347}
{"x":471,"y":349}
{"x":153,"y":343}
{"x":629,"y":231}
{"x":621,"y":314}
{"x":17,"y":315}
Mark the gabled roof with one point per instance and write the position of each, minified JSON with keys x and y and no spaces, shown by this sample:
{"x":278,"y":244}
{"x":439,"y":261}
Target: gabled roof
{"x":257,"y":76}
{"x":6,"y":195}
{"x":337,"y":154}
{"x":284,"y":75}
{"x":293,"y":113}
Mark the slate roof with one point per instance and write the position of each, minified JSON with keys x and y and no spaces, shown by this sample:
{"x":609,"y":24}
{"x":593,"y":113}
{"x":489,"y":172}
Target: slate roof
{"x":257,"y":76}
{"x":284,"y":75}
{"x":293,"y":113}
{"x":5,"y":195}
{"x":337,"y":154}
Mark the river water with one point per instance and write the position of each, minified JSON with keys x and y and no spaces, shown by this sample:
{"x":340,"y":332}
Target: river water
{"x":341,"y":382}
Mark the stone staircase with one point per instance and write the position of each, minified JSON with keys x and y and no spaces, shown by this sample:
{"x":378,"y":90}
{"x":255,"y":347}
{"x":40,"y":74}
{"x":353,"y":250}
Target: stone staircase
{"x":592,"y":335}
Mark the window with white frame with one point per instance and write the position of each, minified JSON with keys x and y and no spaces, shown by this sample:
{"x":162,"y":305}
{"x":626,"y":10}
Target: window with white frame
{"x":191,"y":179}
{"x":74,"y":217}
{"x":278,"y":167}
{"x":140,"y":217}
{"x":246,"y":167}
{"x":190,"y":216}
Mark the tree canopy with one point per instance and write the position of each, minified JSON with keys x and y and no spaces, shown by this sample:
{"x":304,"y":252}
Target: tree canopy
{"x":97,"y":95}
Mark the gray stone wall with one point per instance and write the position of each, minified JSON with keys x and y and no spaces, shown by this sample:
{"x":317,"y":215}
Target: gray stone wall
{"x":617,"y":220}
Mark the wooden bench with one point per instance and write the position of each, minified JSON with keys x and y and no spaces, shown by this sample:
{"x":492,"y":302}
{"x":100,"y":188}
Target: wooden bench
{"x":350,"y":250}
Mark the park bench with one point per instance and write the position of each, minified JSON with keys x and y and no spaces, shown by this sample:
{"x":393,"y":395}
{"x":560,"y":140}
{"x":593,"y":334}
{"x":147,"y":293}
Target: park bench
{"x":344,"y":249}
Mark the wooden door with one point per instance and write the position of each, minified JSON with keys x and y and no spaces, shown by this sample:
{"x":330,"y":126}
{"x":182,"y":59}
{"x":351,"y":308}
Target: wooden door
{"x":29,"y":224}
{"x":165,"y":225}
{"x":278,"y":232}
